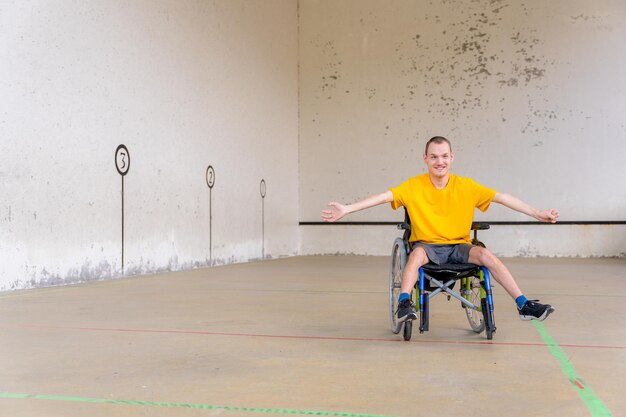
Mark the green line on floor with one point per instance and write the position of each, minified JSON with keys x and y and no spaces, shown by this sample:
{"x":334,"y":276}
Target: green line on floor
{"x":192,"y":406}
{"x":593,"y":403}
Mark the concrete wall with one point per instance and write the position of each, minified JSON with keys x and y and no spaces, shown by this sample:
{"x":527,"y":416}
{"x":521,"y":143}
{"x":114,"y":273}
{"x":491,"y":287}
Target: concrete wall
{"x":331,"y":99}
{"x":184,"y":85}
{"x":532,"y":95}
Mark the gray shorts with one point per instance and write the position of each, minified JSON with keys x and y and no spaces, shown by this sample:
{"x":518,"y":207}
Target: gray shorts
{"x":446,"y":254}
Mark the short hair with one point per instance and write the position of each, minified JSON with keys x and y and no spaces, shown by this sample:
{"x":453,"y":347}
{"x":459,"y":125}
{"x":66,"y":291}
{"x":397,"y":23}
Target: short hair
{"x":437,"y":139}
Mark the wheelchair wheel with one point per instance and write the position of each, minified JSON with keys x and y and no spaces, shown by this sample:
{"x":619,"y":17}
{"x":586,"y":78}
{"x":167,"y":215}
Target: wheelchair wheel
{"x":490,"y":325}
{"x":408,"y":329}
{"x":398,"y":260}
{"x":472,"y":294}
{"x":489,"y":334}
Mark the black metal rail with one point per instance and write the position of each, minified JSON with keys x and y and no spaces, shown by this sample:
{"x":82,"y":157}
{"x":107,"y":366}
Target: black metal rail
{"x":493,"y":223}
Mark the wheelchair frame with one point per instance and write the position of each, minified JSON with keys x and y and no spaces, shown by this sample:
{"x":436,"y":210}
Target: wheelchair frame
{"x":476,"y":295}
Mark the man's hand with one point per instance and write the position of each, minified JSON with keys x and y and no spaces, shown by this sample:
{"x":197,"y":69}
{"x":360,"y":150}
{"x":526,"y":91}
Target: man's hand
{"x":336,"y":212}
{"x":548,"y":216}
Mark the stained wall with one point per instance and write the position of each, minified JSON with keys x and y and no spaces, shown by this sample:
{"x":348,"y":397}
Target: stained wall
{"x":531,"y":94}
{"x":324,"y":100}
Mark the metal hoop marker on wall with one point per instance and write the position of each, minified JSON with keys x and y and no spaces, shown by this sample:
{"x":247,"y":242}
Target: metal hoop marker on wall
{"x":263,"y":189}
{"x":122,"y":164}
{"x":210,"y":181}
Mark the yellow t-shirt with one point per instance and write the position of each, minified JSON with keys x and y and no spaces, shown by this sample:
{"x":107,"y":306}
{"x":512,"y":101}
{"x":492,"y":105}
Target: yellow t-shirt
{"x":441,"y":216}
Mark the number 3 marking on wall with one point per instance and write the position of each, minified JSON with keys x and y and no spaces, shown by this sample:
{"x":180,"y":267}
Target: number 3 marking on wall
{"x":122,"y":160}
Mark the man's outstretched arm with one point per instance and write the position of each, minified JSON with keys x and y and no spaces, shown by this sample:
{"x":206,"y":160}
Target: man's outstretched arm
{"x":337,"y":210}
{"x":547,"y":216}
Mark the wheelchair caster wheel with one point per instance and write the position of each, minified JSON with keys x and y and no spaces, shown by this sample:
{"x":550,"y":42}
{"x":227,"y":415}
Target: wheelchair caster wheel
{"x":490,"y":325}
{"x":408,"y":329}
{"x":489,"y":334}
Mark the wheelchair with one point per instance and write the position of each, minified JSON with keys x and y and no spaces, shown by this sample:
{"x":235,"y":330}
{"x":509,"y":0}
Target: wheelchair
{"x":475,"y":293}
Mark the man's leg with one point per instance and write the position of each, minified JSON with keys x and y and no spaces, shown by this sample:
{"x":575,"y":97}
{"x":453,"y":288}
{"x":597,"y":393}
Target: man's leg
{"x":406,"y":307}
{"x":417,"y":258}
{"x":482,"y":256}
{"x":528,"y":310}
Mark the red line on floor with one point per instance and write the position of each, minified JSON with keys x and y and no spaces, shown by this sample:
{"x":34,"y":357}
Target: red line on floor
{"x":302,"y":337}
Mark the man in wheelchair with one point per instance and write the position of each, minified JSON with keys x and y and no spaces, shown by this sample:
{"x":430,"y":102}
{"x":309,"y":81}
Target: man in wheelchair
{"x":441,"y":206}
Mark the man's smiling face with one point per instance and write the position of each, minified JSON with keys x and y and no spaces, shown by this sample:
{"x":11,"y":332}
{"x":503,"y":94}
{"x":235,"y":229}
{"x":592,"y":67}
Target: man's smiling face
{"x":438,"y":159}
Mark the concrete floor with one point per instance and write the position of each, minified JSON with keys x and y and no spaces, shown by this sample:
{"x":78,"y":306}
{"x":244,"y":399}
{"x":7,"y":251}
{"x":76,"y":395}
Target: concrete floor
{"x":310,"y":336}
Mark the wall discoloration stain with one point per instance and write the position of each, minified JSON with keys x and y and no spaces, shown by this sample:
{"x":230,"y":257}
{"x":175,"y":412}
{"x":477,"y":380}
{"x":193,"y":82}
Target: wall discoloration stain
{"x":451,"y":72}
{"x":329,"y":67}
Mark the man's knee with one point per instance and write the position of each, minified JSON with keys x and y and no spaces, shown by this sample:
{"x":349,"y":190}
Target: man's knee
{"x":483,"y":256}
{"x":418,"y":255}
